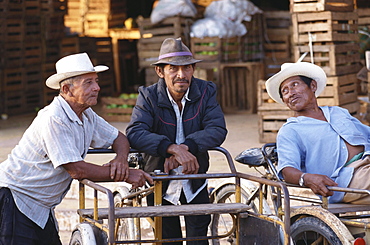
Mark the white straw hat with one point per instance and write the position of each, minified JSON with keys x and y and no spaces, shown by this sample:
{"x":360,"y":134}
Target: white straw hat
{"x":295,"y":69}
{"x":71,"y":66}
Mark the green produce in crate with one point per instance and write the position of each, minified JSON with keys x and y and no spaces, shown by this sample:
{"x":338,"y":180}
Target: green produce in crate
{"x":128,"y":96}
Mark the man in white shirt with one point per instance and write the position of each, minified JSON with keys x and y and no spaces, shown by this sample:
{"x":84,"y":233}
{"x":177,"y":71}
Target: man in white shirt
{"x":38,"y":172}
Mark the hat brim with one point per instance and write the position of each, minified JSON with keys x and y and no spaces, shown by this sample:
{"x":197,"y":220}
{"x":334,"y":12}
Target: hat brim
{"x":177,"y":61}
{"x":53,"y":81}
{"x":296,"y":69}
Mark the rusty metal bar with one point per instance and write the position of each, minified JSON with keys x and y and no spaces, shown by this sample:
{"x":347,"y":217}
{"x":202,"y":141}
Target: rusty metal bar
{"x":111,"y":215}
{"x":285,"y":191}
{"x":81,"y":197}
{"x":158,"y":202}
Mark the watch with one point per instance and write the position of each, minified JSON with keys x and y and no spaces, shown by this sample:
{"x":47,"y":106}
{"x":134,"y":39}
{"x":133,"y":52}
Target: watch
{"x":301,"y":180}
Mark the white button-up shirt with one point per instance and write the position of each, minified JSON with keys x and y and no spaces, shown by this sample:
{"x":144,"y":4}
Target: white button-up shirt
{"x":173,"y":192}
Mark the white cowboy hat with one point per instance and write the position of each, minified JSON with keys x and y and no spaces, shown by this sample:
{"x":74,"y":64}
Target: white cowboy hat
{"x":71,"y":66}
{"x":295,"y":69}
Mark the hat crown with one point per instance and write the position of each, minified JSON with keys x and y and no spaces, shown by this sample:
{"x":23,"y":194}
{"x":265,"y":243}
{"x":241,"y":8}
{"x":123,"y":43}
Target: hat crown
{"x":75,"y":62}
{"x":175,"y":52}
{"x":172,"y":45}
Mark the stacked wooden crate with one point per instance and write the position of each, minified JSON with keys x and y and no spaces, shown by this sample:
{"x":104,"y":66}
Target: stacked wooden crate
{"x":152,"y":36}
{"x":118,"y":109}
{"x":95,"y":17}
{"x":252,"y":48}
{"x":271,"y":115}
{"x":54,"y":31}
{"x":233,"y":64}
{"x":278,"y":50}
{"x":23,"y":26}
{"x":277,"y":40}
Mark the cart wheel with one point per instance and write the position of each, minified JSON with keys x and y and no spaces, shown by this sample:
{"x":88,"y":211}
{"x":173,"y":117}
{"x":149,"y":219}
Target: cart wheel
{"x":311,"y":230}
{"x":125,"y":228}
{"x":85,"y":234}
{"x":221,"y":223}
{"x":76,"y":238}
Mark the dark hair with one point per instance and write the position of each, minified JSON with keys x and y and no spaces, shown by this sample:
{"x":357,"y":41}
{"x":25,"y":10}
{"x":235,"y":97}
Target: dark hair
{"x":306,"y":80}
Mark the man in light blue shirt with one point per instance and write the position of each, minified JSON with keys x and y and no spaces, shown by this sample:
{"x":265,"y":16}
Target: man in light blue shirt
{"x":319,"y":146}
{"x":38,"y":172}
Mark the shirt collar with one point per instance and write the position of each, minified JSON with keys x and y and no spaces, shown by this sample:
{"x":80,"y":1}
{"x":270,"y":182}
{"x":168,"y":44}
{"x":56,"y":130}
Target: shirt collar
{"x":185,"y":97}
{"x":68,"y":110}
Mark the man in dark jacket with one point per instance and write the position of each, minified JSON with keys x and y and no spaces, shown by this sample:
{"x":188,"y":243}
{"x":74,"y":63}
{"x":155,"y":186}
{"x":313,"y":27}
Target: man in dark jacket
{"x":175,"y":122}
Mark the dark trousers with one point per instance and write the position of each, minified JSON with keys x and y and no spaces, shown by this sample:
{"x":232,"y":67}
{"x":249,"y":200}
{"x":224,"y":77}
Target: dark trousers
{"x":17,"y":229}
{"x":196,"y":225}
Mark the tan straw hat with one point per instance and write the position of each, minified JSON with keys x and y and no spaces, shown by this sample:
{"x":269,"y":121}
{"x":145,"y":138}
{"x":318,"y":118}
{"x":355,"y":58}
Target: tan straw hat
{"x":174,"y":52}
{"x":71,"y":66}
{"x":295,"y":69}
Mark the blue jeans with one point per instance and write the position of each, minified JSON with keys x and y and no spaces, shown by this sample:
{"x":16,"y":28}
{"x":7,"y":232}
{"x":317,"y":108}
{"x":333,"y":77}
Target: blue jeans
{"x":17,"y":229}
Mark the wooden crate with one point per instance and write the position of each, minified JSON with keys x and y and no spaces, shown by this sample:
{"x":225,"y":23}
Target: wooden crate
{"x":325,"y":27}
{"x":33,"y":77}
{"x":172,"y":27}
{"x":11,"y":9}
{"x":264,"y":102}
{"x":74,"y":25}
{"x":20,"y":29}
{"x":120,"y":111}
{"x":12,"y":30}
{"x":32,"y":52}
{"x":269,"y":123}
{"x":48,"y":69}
{"x":251,"y":43}
{"x":363,"y":16}
{"x":147,"y":53}
{"x":353,"y":108}
{"x":54,"y":7}
{"x":12,"y":79}
{"x":53,"y":27}
{"x":215,"y":49}
{"x":107,"y":6}
{"x":152,"y":36}
{"x":151,"y":76}
{"x":31,"y":8}
{"x":21,"y":101}
{"x":321,"y":5}
{"x":277,"y":42}
{"x":339,"y":91}
{"x":273,"y":65}
{"x":98,"y":24}
{"x":13,"y":102}
{"x":335,"y":59}
{"x":11,"y":54}
{"x":238,"y":86}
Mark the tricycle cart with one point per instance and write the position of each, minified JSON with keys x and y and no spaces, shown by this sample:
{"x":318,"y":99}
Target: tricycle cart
{"x":119,"y":223}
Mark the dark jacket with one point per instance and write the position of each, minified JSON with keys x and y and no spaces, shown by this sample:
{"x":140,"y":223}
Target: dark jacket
{"x":153,"y":124}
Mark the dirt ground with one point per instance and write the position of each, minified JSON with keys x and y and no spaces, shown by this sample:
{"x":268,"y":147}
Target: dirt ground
{"x":242,"y":134}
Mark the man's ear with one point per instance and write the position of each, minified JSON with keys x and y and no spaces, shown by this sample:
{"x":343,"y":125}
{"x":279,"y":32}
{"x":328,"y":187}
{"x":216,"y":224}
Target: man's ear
{"x":159,"y":71}
{"x":65,"y":88}
{"x":313,"y":86}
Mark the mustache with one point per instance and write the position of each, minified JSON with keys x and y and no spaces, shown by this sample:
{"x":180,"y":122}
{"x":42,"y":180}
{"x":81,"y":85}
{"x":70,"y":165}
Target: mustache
{"x":181,"y":80}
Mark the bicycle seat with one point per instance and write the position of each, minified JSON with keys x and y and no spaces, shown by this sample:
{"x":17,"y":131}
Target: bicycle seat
{"x":252,"y":157}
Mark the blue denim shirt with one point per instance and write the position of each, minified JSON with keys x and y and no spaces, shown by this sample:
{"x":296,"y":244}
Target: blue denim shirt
{"x":318,"y":147}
